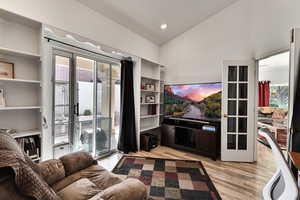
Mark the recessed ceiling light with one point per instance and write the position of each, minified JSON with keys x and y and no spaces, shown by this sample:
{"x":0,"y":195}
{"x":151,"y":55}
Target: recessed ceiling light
{"x":163,"y":26}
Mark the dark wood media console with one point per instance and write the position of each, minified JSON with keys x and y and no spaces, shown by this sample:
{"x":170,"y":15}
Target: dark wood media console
{"x":200,"y":137}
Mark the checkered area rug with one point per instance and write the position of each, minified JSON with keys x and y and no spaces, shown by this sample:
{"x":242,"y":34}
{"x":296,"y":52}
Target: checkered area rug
{"x":168,"y":179}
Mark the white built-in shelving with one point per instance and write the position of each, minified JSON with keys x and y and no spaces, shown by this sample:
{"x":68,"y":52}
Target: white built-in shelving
{"x":150,"y":111}
{"x":20,"y":40}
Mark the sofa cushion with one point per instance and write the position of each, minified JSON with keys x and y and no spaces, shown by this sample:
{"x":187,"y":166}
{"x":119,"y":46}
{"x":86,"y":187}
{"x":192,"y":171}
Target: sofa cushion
{"x":95,"y":173}
{"x":76,"y":161}
{"x":132,"y":189}
{"x":82,"y":189}
{"x":52,"y":171}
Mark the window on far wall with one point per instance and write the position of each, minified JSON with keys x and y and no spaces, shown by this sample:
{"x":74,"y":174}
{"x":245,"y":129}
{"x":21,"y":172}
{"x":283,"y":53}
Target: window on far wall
{"x":279,"y":96}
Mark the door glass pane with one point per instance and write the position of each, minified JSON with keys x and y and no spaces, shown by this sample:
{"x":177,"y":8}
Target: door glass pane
{"x":243,"y":73}
{"x":62,"y":69}
{"x":84,"y":129}
{"x":242,"y":125}
{"x":242,"y":107}
{"x":232,"y":73}
{"x":243,"y":90}
{"x":231,"y":107}
{"x":242,"y":142}
{"x":103,"y":119}
{"x":231,"y":141}
{"x":232,"y":90}
{"x":61,"y":100}
{"x":231,"y":124}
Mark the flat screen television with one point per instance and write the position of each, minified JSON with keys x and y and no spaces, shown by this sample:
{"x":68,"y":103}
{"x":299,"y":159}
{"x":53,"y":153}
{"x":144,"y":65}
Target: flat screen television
{"x":193,"y":101}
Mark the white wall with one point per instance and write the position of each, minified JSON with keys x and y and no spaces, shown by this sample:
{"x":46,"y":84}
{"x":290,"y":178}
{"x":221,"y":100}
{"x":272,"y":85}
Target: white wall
{"x":74,"y":17}
{"x":247,"y":29}
{"x":277,"y":75}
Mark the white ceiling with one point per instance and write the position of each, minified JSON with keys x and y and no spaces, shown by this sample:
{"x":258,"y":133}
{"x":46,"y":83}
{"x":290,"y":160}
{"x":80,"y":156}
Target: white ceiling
{"x":145,"y":16}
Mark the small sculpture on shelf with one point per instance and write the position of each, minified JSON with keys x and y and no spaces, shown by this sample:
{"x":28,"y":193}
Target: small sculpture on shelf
{"x":150,"y":99}
{"x":150,"y":87}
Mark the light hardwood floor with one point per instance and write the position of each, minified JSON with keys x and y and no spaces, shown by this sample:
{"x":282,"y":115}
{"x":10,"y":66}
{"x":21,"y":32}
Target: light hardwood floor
{"x":233,"y":180}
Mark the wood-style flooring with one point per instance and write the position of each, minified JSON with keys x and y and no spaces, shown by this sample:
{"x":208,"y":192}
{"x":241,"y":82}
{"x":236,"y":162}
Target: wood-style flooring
{"x":233,"y":180}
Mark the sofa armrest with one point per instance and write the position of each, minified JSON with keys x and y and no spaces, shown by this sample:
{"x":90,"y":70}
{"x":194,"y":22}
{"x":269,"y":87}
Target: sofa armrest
{"x":75,"y":162}
{"x":52,"y":171}
{"x":130,"y":188}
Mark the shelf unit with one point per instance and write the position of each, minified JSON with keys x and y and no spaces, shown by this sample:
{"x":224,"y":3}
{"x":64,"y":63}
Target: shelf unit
{"x":20,"y":40}
{"x":149,"y":117}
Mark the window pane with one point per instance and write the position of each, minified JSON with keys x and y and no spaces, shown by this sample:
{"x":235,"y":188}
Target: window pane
{"x":232,"y":90}
{"x":242,"y":107}
{"x":231,"y":141}
{"x":243,"y":73}
{"x":85,"y":69}
{"x":231,"y":107}
{"x":243,"y":90}
{"x":232,"y":73}
{"x":242,"y":142}
{"x":61,"y":94}
{"x":62,"y":68}
{"x":231,"y":124}
{"x":242,"y":125}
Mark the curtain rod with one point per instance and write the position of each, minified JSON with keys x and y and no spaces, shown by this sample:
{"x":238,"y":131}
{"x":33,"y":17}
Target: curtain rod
{"x":65,"y":43}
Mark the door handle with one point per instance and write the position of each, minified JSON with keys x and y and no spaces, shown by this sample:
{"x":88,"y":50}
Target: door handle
{"x":225,"y":115}
{"x":76,"y":109}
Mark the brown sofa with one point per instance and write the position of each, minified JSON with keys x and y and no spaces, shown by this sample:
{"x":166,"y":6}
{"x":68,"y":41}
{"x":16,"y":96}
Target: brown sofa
{"x":75,"y":176}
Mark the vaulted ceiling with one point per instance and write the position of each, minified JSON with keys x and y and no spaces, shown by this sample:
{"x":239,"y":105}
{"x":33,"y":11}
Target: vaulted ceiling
{"x":145,"y":16}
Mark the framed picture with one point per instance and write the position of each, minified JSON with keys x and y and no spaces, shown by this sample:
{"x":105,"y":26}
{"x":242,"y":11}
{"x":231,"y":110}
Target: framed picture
{"x":7,"y":70}
{"x":150,"y":99}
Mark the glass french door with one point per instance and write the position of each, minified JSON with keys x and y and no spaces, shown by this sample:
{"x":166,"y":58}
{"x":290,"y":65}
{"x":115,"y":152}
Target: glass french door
{"x":238,"y":109}
{"x":83,"y":104}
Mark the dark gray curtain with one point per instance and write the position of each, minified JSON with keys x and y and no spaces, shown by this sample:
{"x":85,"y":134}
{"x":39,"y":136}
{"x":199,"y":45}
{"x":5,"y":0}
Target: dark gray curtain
{"x":127,"y":140}
{"x":294,"y":139}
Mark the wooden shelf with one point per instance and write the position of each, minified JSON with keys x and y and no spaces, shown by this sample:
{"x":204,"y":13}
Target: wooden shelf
{"x":148,"y":116}
{"x":19,"y":108}
{"x":18,"y":53}
{"x":26,"y":133}
{"x":19,"y":80}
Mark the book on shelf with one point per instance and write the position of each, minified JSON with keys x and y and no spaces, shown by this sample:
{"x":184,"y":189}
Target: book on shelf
{"x":30,"y":145}
{"x":152,"y":110}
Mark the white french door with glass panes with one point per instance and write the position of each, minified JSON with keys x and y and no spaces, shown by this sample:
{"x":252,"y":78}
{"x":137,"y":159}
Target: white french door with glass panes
{"x":238,"y":111}
{"x":83,"y":115}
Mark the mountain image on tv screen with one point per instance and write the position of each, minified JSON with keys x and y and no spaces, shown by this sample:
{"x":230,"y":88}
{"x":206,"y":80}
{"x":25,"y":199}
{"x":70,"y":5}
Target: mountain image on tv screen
{"x":193,"y":101}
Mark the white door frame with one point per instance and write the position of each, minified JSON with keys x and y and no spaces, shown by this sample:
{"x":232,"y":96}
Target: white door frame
{"x":270,"y":54}
{"x":236,"y":154}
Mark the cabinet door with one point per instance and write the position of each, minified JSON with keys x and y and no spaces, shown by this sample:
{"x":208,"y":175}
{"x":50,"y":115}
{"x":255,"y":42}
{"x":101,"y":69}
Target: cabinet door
{"x":168,"y":135}
{"x":204,"y":142}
